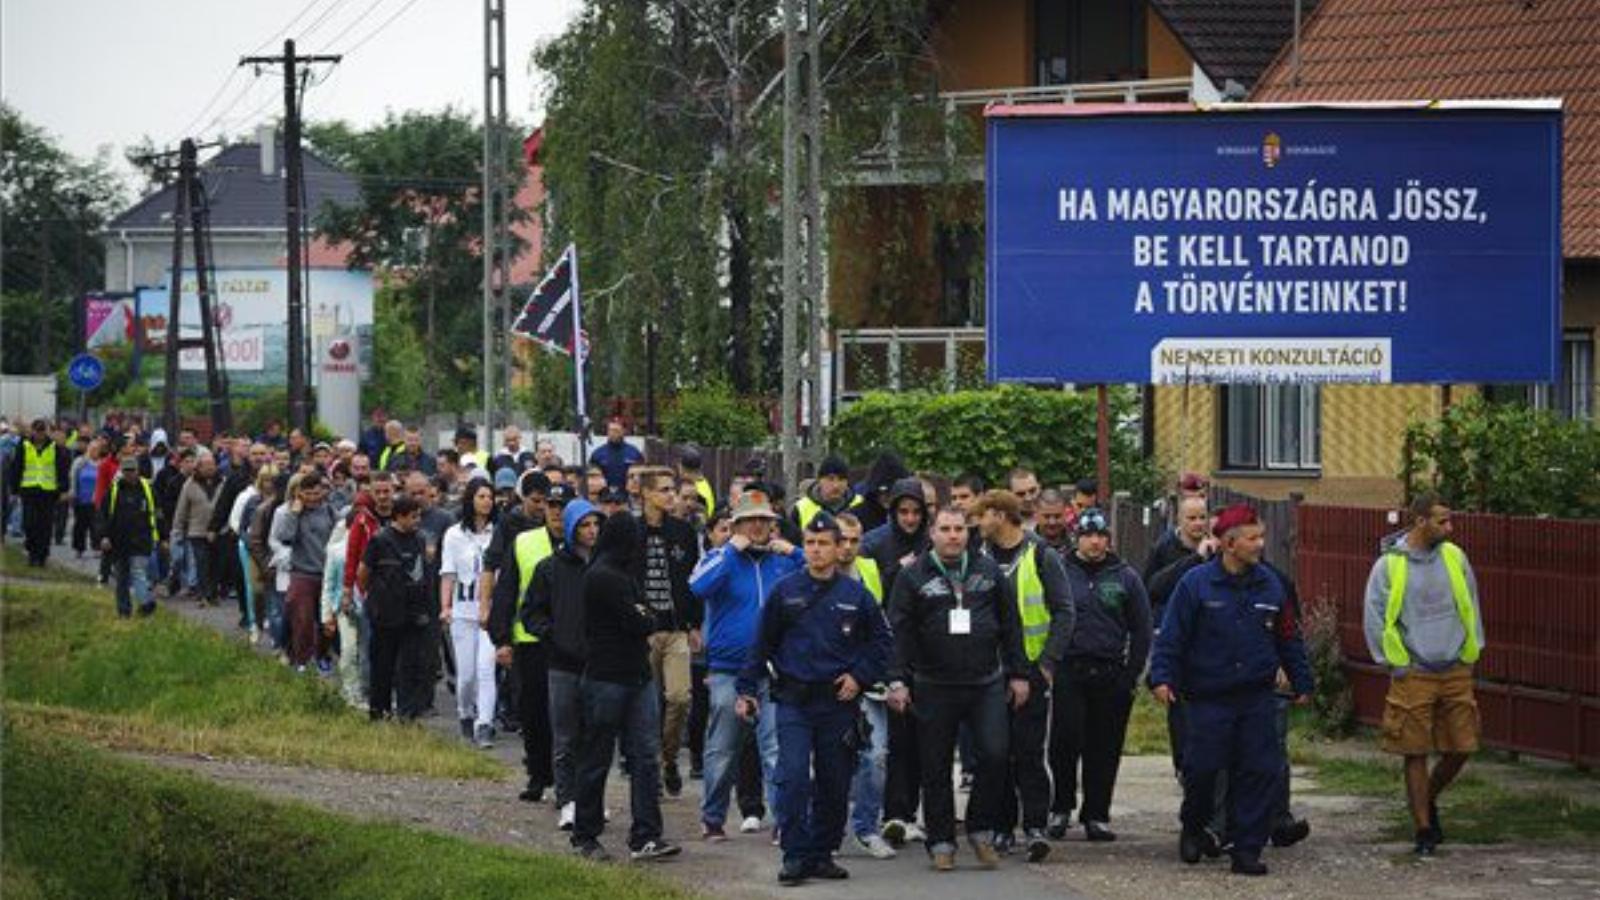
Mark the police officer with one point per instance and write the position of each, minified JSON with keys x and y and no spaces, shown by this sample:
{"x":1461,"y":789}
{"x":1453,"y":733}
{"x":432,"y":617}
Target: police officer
{"x":825,"y":638}
{"x":39,"y":475}
{"x":1227,"y":630}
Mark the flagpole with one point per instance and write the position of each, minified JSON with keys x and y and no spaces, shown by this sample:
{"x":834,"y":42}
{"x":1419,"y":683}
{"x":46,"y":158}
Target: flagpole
{"x":578,"y":358}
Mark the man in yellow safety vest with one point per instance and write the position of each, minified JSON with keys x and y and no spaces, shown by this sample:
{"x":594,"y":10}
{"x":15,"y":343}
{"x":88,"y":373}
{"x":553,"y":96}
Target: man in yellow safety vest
{"x":39,"y":475}
{"x":1035,"y":574}
{"x":1422,"y":621}
{"x":128,"y":535}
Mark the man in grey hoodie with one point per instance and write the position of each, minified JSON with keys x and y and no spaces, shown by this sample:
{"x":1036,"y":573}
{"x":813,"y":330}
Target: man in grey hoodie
{"x":1423,"y":621}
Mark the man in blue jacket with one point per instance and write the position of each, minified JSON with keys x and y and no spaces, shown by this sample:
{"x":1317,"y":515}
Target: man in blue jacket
{"x":733,"y":582}
{"x":1227,"y":630}
{"x":826,"y":639}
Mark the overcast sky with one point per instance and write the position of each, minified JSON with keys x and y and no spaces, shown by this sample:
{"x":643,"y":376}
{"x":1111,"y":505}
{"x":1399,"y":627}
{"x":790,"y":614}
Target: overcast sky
{"x":101,"y":73}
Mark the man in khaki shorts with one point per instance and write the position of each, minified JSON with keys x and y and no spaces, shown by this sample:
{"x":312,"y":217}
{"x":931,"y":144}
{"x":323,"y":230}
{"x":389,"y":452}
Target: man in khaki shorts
{"x":1424,"y":623}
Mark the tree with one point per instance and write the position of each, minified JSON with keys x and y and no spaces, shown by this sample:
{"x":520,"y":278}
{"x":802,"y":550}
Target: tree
{"x":421,"y":218}
{"x":663,"y":157}
{"x":52,"y":205}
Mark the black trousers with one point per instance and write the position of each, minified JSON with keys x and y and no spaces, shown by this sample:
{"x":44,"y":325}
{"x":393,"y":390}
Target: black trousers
{"x":1027,"y":779}
{"x":699,"y":706}
{"x":940,"y":711}
{"x":1092,"y":702}
{"x":38,"y":522}
{"x":226,"y":574}
{"x":902,"y":788}
{"x":399,"y":671}
{"x":83,"y":527}
{"x":748,"y":787}
{"x":530,"y":668}
{"x":62,"y":510}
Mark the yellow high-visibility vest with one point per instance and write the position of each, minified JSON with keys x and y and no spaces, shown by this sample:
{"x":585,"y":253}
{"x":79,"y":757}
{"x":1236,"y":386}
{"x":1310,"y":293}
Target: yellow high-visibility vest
{"x":531,"y":548}
{"x":870,"y":578}
{"x":149,"y":503}
{"x":1030,"y":602}
{"x":39,"y":468}
{"x":1394,"y":647}
{"x":809,"y":508}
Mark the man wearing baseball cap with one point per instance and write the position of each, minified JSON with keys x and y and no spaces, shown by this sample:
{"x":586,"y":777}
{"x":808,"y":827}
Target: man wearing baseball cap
{"x":521,"y":541}
{"x":1228,"y":629}
{"x":129,"y":535}
{"x":1094,"y":687}
{"x":733,"y":582}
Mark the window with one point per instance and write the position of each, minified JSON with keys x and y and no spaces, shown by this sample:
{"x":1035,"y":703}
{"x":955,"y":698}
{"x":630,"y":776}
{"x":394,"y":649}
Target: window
{"x":1277,"y":426}
{"x":1573,"y":395}
{"x":1079,"y":41}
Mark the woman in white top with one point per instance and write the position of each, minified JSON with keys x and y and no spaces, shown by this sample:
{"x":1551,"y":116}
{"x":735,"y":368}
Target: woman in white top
{"x":461,"y":562}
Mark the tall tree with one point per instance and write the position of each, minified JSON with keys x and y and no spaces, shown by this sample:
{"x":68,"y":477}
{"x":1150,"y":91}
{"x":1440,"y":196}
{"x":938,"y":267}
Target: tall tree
{"x":420,"y":218}
{"x":662,"y":159}
{"x":53,"y":205}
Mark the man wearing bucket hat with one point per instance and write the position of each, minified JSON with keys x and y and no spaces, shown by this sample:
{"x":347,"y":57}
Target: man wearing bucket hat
{"x":1227,"y":631}
{"x":733,"y":582}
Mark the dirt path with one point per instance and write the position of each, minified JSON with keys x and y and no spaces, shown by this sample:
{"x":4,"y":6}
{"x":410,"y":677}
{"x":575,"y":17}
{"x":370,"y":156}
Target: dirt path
{"x":1343,"y":859}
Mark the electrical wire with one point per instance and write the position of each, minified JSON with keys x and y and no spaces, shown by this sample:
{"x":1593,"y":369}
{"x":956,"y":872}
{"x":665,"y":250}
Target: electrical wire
{"x":285,"y":29}
{"x":386,"y":23}
{"x":351,"y":25}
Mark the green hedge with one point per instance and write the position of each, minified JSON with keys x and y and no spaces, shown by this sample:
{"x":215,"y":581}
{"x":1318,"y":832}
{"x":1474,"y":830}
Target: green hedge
{"x":1506,"y":458}
{"x":82,"y":823}
{"x":715,"y":416}
{"x":994,"y":430}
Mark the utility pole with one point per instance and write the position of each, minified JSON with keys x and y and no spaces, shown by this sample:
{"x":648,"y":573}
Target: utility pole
{"x":299,"y":413}
{"x":210,"y":329}
{"x":802,"y":263}
{"x":180,"y":215}
{"x":496,"y":236}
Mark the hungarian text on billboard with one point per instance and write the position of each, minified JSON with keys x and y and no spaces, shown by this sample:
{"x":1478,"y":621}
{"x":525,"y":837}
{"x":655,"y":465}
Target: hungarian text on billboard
{"x":1264,"y":245}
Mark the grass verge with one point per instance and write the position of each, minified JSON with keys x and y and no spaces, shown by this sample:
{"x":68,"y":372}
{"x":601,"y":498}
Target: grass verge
{"x":14,"y":564}
{"x":80,"y":822}
{"x":1477,"y":809}
{"x":164,"y":684}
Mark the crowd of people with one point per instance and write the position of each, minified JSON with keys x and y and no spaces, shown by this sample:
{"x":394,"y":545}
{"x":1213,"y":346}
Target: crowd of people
{"x":824,"y":662}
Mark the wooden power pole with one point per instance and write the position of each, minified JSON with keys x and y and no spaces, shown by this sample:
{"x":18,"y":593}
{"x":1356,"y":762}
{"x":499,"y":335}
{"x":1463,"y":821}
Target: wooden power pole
{"x":299,"y":408}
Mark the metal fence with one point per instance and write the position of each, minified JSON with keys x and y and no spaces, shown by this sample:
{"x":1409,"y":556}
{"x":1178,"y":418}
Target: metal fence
{"x":1539,"y":588}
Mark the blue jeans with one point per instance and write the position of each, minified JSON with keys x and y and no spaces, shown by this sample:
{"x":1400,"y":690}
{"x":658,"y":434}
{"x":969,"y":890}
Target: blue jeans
{"x":133,"y":582}
{"x":633,"y":713}
{"x":871,"y":771}
{"x":724,"y":730}
{"x":814,"y":767}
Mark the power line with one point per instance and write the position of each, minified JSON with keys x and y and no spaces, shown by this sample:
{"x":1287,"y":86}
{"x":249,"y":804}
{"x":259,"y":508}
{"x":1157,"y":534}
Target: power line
{"x":317,"y":23}
{"x":386,"y":23}
{"x":351,"y":25}
{"x":285,"y":29}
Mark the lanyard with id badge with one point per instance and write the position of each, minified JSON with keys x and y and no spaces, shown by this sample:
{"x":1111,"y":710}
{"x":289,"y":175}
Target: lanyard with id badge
{"x":960,"y":617}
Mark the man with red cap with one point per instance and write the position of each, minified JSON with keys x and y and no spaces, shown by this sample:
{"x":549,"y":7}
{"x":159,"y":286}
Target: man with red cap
{"x":1227,"y":630}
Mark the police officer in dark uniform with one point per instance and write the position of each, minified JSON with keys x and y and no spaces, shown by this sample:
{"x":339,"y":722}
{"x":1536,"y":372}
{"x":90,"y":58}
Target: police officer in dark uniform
{"x":1227,"y":630}
{"x":824,"y":638}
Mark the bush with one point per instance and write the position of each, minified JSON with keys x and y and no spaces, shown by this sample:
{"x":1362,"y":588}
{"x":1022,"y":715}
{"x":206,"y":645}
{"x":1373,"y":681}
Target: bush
{"x":1506,"y":458}
{"x":994,"y":430}
{"x":715,"y":416}
{"x":1333,"y":702}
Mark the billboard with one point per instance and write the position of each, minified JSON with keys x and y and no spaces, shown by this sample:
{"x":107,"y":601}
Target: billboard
{"x":1261,"y":244}
{"x":251,"y":306}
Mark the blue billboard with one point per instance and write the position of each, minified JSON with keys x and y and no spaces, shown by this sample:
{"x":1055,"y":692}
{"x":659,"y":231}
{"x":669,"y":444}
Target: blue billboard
{"x":1266,"y":244}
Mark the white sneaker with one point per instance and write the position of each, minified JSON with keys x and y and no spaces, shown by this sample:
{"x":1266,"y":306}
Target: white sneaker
{"x":875,"y":846}
{"x":569,"y":815}
{"x":750,"y":825}
{"x":914,"y":833}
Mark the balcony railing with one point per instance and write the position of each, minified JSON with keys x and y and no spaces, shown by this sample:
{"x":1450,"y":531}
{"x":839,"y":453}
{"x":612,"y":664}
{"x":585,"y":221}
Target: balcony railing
{"x":929,"y":135}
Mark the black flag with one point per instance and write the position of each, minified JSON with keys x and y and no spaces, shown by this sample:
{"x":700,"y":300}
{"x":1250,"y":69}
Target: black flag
{"x":549,"y":314}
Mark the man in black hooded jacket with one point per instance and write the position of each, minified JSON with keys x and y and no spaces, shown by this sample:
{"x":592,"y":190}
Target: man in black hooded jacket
{"x":619,"y":699}
{"x":896,"y":543}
